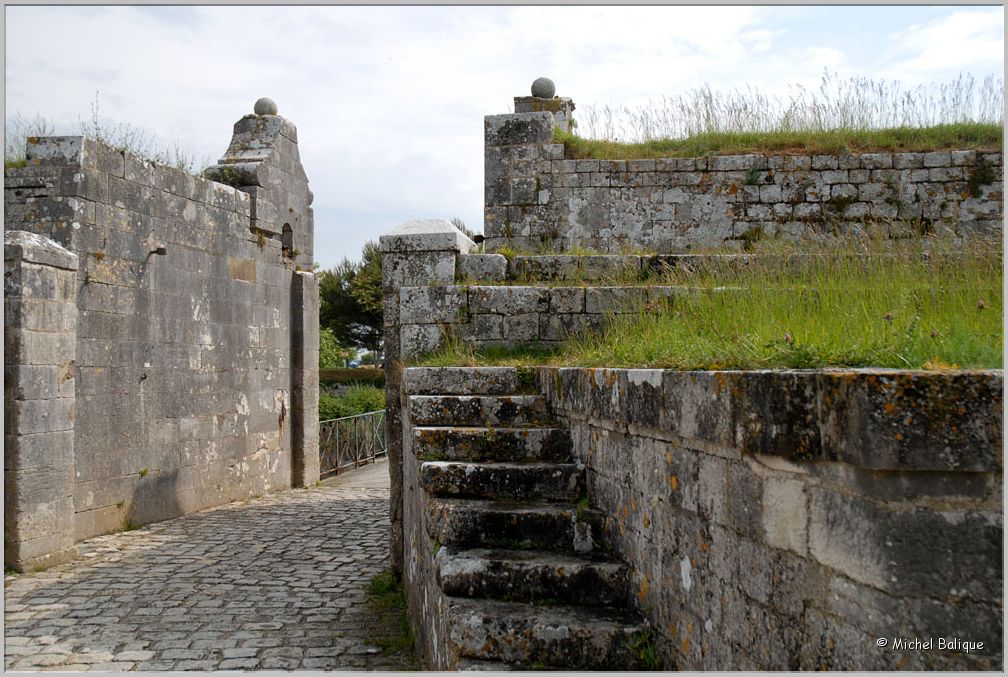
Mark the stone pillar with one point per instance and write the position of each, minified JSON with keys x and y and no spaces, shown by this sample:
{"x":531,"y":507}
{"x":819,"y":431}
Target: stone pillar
{"x":416,"y":254}
{"x":304,"y":379}
{"x":40,"y":345}
{"x":543,"y":99}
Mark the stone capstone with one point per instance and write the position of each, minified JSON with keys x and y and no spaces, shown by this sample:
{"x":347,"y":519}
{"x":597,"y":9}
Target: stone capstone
{"x":543,"y":88}
{"x":265,"y":106}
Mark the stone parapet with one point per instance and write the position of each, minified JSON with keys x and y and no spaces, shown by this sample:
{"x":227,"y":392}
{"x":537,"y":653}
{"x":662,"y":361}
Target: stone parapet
{"x":40,"y":331}
{"x":834,"y":506}
{"x":537,"y":199}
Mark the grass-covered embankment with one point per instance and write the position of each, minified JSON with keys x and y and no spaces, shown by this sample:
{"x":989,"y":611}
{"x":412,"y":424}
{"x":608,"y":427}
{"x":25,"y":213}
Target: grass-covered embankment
{"x":886,"y":306}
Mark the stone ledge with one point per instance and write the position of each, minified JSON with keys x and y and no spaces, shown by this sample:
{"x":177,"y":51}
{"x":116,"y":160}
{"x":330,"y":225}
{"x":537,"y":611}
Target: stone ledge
{"x":876,"y":419}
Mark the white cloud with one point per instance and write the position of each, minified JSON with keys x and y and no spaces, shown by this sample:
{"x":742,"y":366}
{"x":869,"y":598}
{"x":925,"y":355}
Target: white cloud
{"x":389,"y":101}
{"x":964,"y":39}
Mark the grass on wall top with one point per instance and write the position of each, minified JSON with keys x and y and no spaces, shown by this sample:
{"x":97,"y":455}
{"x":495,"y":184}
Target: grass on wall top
{"x":901,"y":305}
{"x":841,"y":116}
{"x":960,"y":136}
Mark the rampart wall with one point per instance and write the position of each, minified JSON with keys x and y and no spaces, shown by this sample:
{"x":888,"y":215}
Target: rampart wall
{"x":536,"y":199}
{"x":191,"y":328}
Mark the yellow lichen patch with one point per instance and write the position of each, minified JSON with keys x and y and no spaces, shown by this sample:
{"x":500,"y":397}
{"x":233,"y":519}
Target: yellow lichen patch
{"x":643,"y":589}
{"x":673,"y":482}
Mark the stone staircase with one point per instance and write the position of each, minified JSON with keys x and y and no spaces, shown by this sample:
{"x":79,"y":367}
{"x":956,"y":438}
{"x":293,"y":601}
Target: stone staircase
{"x":519,"y":552}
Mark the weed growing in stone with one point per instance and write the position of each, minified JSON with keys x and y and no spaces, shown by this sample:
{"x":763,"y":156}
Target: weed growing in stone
{"x":389,"y":624}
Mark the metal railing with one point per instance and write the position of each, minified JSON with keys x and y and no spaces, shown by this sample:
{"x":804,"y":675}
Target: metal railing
{"x":351,"y":442}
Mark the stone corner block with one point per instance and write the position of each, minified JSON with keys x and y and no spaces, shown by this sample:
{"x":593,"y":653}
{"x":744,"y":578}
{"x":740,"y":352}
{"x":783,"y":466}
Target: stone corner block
{"x":425,"y":235}
{"x":34,"y":248}
{"x":515,"y":129}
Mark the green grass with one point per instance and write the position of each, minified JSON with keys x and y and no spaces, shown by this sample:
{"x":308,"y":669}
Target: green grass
{"x":388,"y":625}
{"x":959,"y":136}
{"x":887,"y":305}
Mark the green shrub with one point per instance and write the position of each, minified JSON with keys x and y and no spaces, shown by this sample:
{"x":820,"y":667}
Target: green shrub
{"x":359,"y":399}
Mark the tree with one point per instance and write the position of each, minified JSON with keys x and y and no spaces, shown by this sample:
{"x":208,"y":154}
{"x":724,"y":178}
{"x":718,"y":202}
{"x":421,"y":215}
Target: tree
{"x":350,"y":298}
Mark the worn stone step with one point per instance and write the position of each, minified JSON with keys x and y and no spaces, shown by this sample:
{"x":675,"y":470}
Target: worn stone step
{"x":526,"y":481}
{"x":443,"y":443}
{"x":559,"y":636}
{"x":478,"y":410}
{"x":514,"y":525}
{"x":529,"y":576}
{"x":460,"y":380}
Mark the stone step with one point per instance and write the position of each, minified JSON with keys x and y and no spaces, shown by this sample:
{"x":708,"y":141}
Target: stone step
{"x":444,"y":443}
{"x":520,"y":526}
{"x":530,"y":637}
{"x":460,"y":380}
{"x":478,"y":410}
{"x":524,"y":481}
{"x":469,"y":665}
{"x":530,"y":576}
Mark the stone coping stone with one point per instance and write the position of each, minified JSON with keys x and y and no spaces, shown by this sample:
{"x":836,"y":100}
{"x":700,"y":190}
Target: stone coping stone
{"x":877,"y":419}
{"x":34,"y":248}
{"x":426,"y":235}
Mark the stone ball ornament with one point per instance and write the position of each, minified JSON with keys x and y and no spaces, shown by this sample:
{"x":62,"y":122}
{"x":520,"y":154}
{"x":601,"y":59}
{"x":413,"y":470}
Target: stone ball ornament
{"x":543,"y":88}
{"x":265,"y":106}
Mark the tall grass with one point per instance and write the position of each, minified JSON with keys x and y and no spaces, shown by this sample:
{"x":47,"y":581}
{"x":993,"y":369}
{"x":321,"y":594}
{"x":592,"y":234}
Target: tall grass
{"x":855,"y":103}
{"x":906,"y":304}
{"x":119,"y":135}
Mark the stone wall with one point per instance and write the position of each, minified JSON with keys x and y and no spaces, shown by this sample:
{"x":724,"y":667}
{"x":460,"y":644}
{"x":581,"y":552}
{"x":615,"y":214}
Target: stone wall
{"x":536,"y":199}
{"x":789,"y":519}
{"x":195,"y":320}
{"x":781,"y":520}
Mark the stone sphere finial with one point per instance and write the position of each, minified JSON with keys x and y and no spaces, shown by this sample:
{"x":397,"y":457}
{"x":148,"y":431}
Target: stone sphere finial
{"x":265,"y":106}
{"x":543,"y":88}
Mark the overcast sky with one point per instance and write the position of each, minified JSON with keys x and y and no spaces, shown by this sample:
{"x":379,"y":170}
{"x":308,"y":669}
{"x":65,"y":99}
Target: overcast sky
{"x":389,"y":101}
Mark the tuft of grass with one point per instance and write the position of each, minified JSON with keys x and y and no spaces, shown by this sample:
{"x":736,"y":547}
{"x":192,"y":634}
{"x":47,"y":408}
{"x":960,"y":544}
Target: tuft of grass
{"x":906,"y":304}
{"x":645,"y":645}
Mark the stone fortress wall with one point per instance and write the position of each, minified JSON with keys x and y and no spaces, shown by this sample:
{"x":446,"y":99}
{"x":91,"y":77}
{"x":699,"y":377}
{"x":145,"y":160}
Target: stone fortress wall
{"x":769,"y":520}
{"x":161,"y":335}
{"x":536,"y":199}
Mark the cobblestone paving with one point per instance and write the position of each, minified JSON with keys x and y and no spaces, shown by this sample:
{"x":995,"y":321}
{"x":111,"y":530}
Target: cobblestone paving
{"x":273,"y":583}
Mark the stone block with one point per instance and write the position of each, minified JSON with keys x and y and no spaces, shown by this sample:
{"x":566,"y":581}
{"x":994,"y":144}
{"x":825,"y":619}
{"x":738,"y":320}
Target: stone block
{"x":481,"y":267}
{"x":424,"y":305}
{"x":459,"y":380}
{"x":508,"y":300}
{"x":521,"y":327}
{"x":615,"y":299}
{"x":566,"y":300}
{"x":37,"y":249}
{"x":785,"y":515}
{"x":518,"y":129}
{"x":430,"y":235}
{"x":483,"y":328}
{"x":418,"y":339}
{"x":419,"y":268}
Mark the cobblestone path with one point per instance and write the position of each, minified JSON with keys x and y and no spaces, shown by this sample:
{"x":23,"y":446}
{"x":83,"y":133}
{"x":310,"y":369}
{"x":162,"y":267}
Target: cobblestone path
{"x":278,"y":582}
